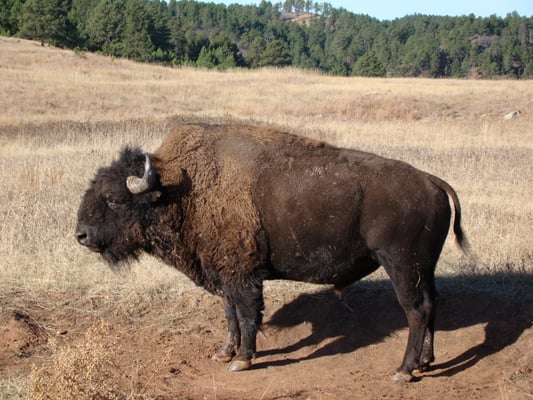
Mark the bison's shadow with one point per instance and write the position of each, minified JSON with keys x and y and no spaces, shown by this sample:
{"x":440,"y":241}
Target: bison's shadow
{"x":372,"y":313}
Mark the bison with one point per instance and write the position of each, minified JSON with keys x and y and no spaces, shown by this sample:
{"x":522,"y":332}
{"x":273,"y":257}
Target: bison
{"x":231,"y":206}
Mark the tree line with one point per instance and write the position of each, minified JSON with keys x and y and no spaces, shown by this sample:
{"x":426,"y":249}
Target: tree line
{"x":298,"y":33}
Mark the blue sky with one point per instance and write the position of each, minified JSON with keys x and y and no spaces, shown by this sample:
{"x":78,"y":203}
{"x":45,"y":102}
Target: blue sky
{"x":391,"y":9}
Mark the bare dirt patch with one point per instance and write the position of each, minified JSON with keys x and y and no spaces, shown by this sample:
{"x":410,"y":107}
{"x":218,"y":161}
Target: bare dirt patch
{"x":159,"y":345}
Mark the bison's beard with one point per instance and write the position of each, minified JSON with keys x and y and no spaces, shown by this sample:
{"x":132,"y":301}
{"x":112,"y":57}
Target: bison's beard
{"x":120,"y":253}
{"x":112,"y":258}
{"x":123,"y":248}
{"x":117,"y":259}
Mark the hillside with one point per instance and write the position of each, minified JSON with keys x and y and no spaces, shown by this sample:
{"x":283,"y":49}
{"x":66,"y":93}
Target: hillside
{"x":314,"y":36}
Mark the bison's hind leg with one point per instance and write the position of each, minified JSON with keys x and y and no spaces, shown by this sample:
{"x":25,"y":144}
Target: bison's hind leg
{"x":414,"y":284}
{"x":430,"y":306}
{"x":419,"y":305}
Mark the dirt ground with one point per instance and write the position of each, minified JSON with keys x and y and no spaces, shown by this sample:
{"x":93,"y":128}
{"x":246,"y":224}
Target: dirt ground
{"x":311,"y":345}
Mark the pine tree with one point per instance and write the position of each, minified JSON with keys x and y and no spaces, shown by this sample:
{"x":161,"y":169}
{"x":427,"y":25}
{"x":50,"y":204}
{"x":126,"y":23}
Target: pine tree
{"x":253,"y":54}
{"x":46,"y":21}
{"x":9,"y":15}
{"x":275,"y":54}
{"x":105,"y":27}
{"x":81,"y":11}
{"x":368,"y":65}
{"x":136,"y":42}
{"x":206,"y":58}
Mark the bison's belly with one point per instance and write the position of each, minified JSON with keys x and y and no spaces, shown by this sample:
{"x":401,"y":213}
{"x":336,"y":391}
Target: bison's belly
{"x":317,"y":266}
{"x":327,"y":262}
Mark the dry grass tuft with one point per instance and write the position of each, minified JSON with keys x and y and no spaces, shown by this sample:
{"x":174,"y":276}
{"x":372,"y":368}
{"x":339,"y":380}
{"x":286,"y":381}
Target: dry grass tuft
{"x":83,"y":371}
{"x":13,"y":387}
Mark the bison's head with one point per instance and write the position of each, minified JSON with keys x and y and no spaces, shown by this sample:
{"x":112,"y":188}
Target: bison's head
{"x":117,"y":206}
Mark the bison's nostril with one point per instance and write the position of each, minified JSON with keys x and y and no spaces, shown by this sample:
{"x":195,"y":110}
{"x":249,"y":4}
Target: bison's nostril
{"x":86,"y":237}
{"x":82,"y":237}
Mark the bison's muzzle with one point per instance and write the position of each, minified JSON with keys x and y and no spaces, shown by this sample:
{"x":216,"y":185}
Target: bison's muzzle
{"x":87,"y":237}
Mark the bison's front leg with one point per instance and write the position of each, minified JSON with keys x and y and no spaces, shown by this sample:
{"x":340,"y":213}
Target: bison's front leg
{"x":248,"y":300}
{"x":233,"y":338}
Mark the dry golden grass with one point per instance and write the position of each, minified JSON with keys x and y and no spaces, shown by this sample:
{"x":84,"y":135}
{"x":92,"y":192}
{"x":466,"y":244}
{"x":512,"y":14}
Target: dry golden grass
{"x":64,"y":114}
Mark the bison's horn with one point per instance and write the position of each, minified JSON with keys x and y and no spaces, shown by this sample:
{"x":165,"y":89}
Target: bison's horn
{"x":138,"y":185}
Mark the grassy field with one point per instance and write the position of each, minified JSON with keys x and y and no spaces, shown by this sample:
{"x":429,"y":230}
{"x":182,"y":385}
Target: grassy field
{"x":63,"y":114}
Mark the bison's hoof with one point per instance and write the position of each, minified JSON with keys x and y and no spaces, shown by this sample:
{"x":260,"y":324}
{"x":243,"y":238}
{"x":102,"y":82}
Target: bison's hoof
{"x":402,"y":377}
{"x":240,"y":365}
{"x":424,"y":368}
{"x":222,"y":357}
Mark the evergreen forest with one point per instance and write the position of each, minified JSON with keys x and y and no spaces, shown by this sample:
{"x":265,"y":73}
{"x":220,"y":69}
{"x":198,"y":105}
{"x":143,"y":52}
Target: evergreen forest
{"x":297,"y":33}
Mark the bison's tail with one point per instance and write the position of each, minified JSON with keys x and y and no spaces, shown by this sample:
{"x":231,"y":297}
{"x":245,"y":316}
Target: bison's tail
{"x":457,"y":230}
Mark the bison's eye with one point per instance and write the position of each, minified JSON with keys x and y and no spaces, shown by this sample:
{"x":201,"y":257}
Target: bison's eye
{"x":114,"y":206}
{"x":112,"y":203}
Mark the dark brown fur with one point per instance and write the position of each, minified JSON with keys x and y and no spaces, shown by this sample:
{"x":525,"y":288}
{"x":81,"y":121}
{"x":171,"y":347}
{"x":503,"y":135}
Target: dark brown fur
{"x":235,"y":205}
